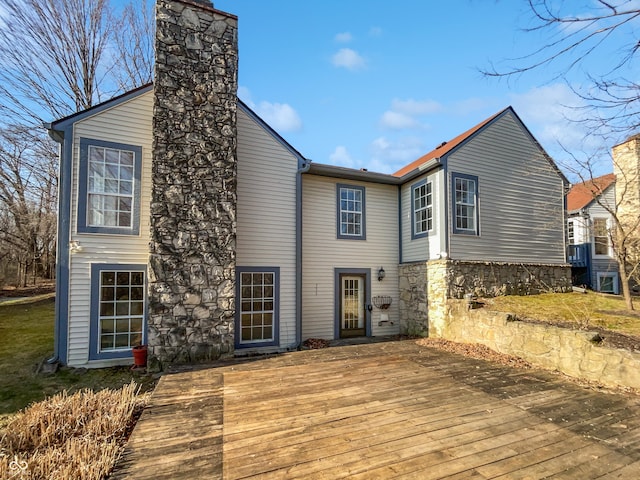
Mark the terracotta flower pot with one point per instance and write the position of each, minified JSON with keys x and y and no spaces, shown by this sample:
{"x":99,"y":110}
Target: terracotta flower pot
{"x":140,"y":356}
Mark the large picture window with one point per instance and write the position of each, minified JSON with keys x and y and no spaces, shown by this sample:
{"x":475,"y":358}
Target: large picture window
{"x":465,"y":204}
{"x":351,"y":212}
{"x":118,"y":310}
{"x":257,"y":323}
{"x":422,"y":200}
{"x":109,"y":187}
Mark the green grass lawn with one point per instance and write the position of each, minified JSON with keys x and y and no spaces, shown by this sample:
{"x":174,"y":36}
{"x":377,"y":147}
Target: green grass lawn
{"x":580,"y":309}
{"x":26,"y":339}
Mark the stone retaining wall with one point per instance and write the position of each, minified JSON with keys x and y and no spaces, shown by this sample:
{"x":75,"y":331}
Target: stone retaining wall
{"x":576,"y":353}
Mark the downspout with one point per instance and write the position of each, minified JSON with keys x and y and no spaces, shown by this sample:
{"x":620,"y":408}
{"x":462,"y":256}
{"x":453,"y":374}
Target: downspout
{"x":58,"y":137}
{"x":303,"y":167}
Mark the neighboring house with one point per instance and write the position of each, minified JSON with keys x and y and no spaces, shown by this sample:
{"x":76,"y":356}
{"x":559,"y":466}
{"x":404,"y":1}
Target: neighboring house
{"x":189,"y":225}
{"x":589,"y":249}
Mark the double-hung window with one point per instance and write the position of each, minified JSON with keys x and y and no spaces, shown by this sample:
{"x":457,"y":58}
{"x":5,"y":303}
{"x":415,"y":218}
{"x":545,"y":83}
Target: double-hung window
{"x":422,"y":200}
{"x":257,"y":322}
{"x":109,"y":188}
{"x":117,"y":310}
{"x":351,"y":212}
{"x":600,"y":236}
{"x":465,"y":204}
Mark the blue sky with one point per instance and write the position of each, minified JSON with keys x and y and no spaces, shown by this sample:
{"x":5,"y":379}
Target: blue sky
{"x":377,"y":84}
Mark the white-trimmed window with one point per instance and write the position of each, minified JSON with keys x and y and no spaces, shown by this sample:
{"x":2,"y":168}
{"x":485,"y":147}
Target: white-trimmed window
{"x":109,"y":187}
{"x":600,"y":236}
{"x":607,"y":282}
{"x":465,"y":204}
{"x":351,"y":212}
{"x":571,"y":237}
{"x":258,"y":306}
{"x":422,"y":200}
{"x":118,"y":310}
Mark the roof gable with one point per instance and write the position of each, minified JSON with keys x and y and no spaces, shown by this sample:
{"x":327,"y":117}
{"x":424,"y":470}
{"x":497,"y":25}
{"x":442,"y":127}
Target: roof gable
{"x":447,"y":147}
{"x":582,"y":194}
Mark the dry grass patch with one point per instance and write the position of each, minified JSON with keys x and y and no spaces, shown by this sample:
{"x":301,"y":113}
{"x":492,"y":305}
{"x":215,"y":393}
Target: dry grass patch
{"x":76,"y":436}
{"x":581,"y":310}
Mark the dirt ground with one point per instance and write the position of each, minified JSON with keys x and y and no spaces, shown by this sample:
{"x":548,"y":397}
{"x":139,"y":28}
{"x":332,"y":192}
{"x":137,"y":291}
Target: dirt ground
{"x":14,"y":292}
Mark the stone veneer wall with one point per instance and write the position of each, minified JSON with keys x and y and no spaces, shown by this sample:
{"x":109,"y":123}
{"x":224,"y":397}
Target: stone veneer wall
{"x":413,"y":298}
{"x":451,"y":279}
{"x":193,"y":204}
{"x":574,"y":352}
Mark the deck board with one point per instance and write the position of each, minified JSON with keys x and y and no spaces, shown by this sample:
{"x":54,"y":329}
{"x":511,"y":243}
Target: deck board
{"x":384,"y":410}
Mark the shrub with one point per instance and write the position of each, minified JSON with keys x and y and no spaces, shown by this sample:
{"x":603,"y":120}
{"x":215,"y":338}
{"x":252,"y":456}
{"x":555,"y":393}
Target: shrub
{"x":70,"y":436}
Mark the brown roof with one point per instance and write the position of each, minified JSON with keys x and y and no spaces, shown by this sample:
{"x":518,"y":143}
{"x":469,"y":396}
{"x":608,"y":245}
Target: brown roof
{"x":581,"y":194}
{"x":445,"y":147}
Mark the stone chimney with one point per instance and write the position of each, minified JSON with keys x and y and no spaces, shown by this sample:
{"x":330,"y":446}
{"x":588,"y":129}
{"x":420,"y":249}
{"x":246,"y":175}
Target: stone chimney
{"x":193,"y":204}
{"x":626,"y":166}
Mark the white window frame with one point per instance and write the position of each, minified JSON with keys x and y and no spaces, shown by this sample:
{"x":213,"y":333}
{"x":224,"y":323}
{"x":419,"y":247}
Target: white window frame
{"x":422,"y":226}
{"x":469,"y":204}
{"x":255,"y":303}
{"x":351,"y":211}
{"x":614,"y":281}
{"x":608,"y":239}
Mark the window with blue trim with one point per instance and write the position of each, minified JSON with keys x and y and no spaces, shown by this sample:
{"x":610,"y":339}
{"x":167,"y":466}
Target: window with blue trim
{"x":109,"y":187}
{"x":257,"y":323}
{"x":422,"y":201}
{"x":118,"y":310}
{"x":465,"y":204}
{"x":351,"y":212}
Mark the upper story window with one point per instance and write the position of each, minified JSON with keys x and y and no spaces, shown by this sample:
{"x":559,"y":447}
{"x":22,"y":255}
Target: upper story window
{"x":351,"y":212}
{"x":600,"y":236}
{"x":422,"y":200}
{"x":109,"y":188}
{"x":465,"y":204}
{"x":571,"y":237}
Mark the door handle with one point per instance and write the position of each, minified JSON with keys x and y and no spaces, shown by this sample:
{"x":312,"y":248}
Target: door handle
{"x":369,"y":307}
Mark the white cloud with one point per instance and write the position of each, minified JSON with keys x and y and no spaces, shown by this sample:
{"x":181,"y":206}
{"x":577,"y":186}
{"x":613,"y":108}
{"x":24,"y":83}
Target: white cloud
{"x":344,"y":37}
{"x":397,"y":121}
{"x":551,"y":112}
{"x":389,"y":156}
{"x":341,"y":157}
{"x":349,"y":59}
{"x":405,"y":114}
{"x":280,"y":116}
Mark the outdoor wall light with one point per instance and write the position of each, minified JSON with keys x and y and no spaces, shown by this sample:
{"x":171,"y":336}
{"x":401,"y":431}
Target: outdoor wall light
{"x":75,"y":247}
{"x":381,"y":274}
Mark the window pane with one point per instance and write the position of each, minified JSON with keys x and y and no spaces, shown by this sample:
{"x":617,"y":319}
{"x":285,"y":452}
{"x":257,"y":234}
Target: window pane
{"x":256,"y":306}
{"x":106,"y":342}
{"x":122,"y":340}
{"x":121,"y":319}
{"x":106,"y":309}
{"x":122,"y":325}
{"x":137,"y":308}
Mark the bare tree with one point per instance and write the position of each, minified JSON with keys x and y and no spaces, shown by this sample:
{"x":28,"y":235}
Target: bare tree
{"x":569,"y":43}
{"x":27,"y":204}
{"x":52,"y":56}
{"x":134,"y":54}
{"x":57,"y":57}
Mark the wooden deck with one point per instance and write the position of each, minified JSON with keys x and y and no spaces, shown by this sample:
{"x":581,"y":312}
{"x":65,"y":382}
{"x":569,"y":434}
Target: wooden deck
{"x":379,"y":411}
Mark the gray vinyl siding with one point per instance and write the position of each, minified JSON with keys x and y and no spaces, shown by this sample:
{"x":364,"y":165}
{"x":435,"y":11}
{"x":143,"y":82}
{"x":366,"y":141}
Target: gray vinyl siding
{"x":428,"y":247}
{"x":266,"y":215}
{"x":127,"y":123}
{"x":521,"y":206}
{"x":323,"y":252}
